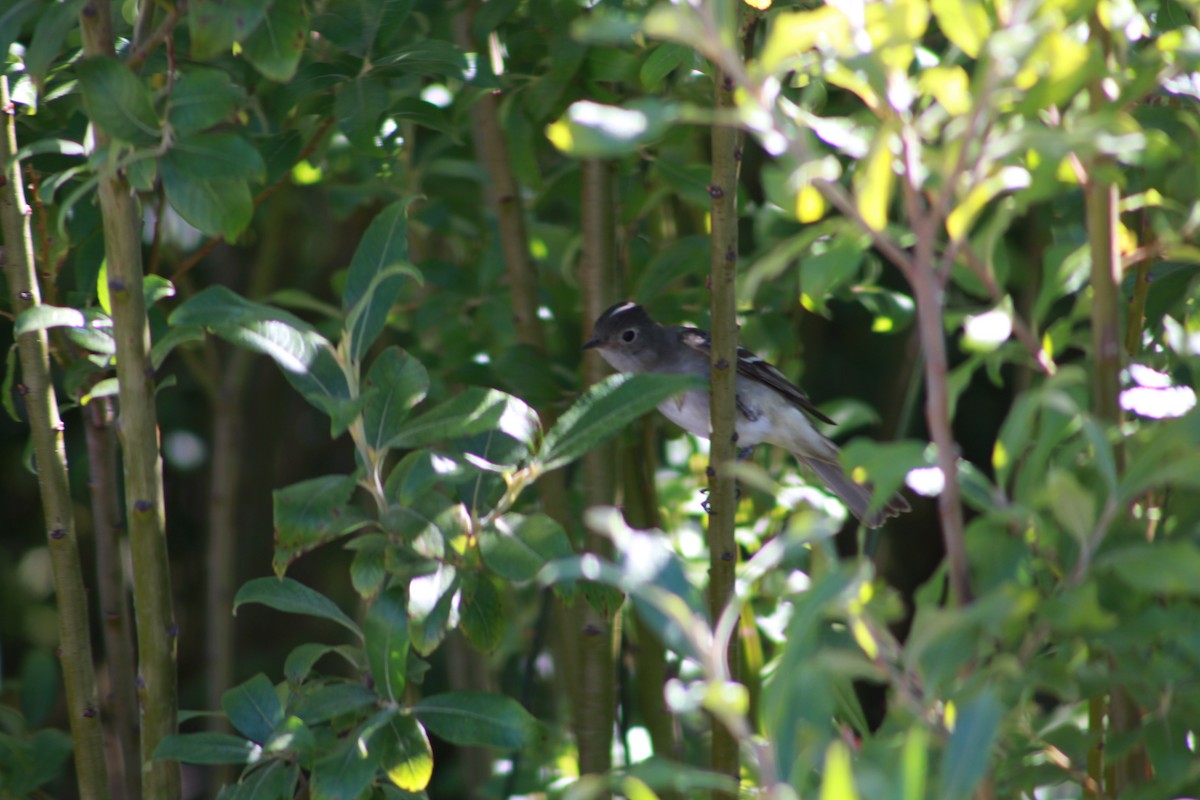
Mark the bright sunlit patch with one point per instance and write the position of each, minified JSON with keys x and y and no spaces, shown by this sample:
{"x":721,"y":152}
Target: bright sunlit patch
{"x":437,"y":94}
{"x":1150,"y":378}
{"x":1173,"y":401}
{"x":622,"y":123}
{"x":442,"y":465}
{"x":640,"y":746}
{"x":545,"y":313}
{"x":482,"y":358}
{"x":985,"y":332}
{"x":305,"y":174}
{"x":926,"y":481}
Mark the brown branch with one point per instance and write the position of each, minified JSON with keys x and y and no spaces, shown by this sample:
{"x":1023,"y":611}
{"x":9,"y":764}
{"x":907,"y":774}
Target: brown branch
{"x":143,"y":50}
{"x":1022,"y":331}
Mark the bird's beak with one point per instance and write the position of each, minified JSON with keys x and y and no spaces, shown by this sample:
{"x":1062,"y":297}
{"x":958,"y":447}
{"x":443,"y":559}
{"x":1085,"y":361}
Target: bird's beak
{"x":592,"y":343}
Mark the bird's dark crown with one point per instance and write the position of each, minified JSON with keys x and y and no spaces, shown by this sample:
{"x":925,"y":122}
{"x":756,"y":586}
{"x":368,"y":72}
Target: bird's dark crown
{"x":624,"y":313}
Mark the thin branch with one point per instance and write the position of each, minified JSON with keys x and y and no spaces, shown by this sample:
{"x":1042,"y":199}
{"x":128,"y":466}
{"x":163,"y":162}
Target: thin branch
{"x":41,"y":402}
{"x":1022,"y":331}
{"x":142,"y":51}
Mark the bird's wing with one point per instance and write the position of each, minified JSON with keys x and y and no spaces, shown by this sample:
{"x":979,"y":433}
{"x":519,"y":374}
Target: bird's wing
{"x":755,"y":369}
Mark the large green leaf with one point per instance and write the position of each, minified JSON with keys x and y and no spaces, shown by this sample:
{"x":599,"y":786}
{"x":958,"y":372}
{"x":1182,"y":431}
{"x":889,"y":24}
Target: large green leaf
{"x":293,"y":597}
{"x":430,"y":601}
{"x":336,"y":699}
{"x":386,"y":638}
{"x":398,"y":382}
{"x":345,"y":773}
{"x":216,"y":206}
{"x":966,"y":758}
{"x":277,"y":43}
{"x":477,"y":718}
{"x":209,"y":747}
{"x":275,"y":780}
{"x":517,"y":547}
{"x":201,"y":98}
{"x":1169,"y":567}
{"x":311,"y":513}
{"x":376,"y":274}
{"x":358,"y":107}
{"x":474,"y":411}
{"x":305,"y":356}
{"x":118,"y":100}
{"x":481,"y":610}
{"x":214,"y":156}
{"x":42,"y":317}
{"x":215,"y":25}
{"x":605,"y":409}
{"x":253,"y":708}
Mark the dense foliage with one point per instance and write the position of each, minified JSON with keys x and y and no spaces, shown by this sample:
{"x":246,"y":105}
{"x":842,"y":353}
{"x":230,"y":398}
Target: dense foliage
{"x":968,"y":229}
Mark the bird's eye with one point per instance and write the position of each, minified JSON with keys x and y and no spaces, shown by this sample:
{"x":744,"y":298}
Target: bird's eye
{"x":629,"y":335}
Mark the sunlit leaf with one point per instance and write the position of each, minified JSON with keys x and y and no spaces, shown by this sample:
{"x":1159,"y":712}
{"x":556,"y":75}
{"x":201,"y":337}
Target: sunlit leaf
{"x":593,"y":130}
{"x":405,"y":754}
{"x":794,"y":33}
{"x":474,"y":411}
{"x":1007,"y":179}
{"x":874,"y":181}
{"x":516,"y":547}
{"x":964,"y":22}
{"x":605,"y":409}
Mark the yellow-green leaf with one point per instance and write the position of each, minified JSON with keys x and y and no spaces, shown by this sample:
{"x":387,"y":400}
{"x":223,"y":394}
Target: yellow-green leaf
{"x":874,"y":180}
{"x":950,"y":86}
{"x":838,"y":780}
{"x":794,"y":34}
{"x":965,"y":22}
{"x":1008,"y":179}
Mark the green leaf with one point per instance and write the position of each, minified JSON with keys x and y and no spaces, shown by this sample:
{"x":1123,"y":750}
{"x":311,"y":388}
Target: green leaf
{"x":482,"y":613}
{"x":292,"y":597}
{"x":305,"y":356}
{"x":874,"y":180}
{"x":155,"y":288}
{"x":276,"y":780}
{"x":1161,"y":568}
{"x":338,"y":699}
{"x":311,"y":513}
{"x":216,"y":206}
{"x":793,"y":34}
{"x":404,"y":753}
{"x":370,"y":288}
{"x":1007,"y":179}
{"x":205,"y":748}
{"x":517,"y":547}
{"x":386,"y":637}
{"x":837,"y":781}
{"x":426,"y":57}
{"x":12,"y":21}
{"x":49,"y":36}
{"x":42,"y":317}
{"x":118,"y":100}
{"x":347,"y":771}
{"x":174,"y":337}
{"x":430,"y":600}
{"x":300,"y":661}
{"x":40,"y":687}
{"x":662,"y":61}
{"x":357,"y":108}
{"x":823,"y":272}
{"x":367,"y":571}
{"x":213,"y":156}
{"x":605,"y":409}
{"x":477,"y":718}
{"x":1073,"y":506}
{"x":399,"y":382}
{"x":201,"y":98}
{"x":594,"y":130}
{"x":215,"y":25}
{"x":474,"y":411}
{"x":277,"y":43}
{"x":253,"y":708}
{"x":966,"y":758}
{"x":964,"y":22}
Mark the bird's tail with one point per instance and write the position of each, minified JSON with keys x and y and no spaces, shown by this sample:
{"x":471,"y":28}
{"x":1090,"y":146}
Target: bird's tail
{"x":856,"y":496}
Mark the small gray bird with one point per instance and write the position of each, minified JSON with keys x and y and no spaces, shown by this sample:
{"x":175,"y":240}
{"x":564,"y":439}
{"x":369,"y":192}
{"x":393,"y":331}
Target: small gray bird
{"x":770,"y":408}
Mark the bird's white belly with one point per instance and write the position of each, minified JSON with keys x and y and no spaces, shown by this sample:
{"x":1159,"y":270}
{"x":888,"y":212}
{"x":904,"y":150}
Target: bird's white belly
{"x":690,"y":411}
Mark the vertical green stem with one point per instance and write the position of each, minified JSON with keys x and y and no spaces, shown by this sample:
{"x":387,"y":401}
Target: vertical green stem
{"x":75,"y":645}
{"x":138,"y":426}
{"x":594,"y":716}
{"x":722,"y":549}
{"x":114,"y":604}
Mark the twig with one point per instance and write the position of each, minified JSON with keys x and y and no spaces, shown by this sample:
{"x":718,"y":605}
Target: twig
{"x":143,"y":50}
